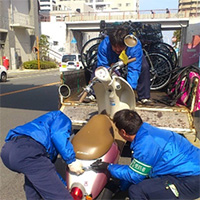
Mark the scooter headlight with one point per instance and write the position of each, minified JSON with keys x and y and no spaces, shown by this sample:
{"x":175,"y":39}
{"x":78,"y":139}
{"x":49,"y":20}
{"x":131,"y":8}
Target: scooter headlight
{"x":76,"y":193}
{"x":102,"y":74}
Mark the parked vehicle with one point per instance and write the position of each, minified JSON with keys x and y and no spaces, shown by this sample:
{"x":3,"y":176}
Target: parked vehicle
{"x":70,"y":62}
{"x":112,"y":94}
{"x":3,"y":72}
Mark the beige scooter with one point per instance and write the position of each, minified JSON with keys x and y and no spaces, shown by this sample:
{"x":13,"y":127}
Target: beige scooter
{"x":98,"y":139}
{"x":113,"y":93}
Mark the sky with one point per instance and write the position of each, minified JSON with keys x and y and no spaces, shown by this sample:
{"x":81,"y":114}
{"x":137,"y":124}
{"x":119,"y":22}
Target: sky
{"x":158,"y":4}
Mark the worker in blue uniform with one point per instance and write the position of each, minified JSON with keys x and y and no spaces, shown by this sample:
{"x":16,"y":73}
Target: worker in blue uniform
{"x":113,"y":47}
{"x":165,"y":165}
{"x":32,"y":148}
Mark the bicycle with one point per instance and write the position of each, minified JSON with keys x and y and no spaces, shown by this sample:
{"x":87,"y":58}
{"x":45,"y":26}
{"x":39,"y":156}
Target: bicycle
{"x":160,"y":70}
{"x":165,"y":49}
{"x":161,"y":57}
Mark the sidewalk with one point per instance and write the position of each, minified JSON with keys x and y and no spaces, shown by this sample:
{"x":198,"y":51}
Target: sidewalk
{"x":29,"y":71}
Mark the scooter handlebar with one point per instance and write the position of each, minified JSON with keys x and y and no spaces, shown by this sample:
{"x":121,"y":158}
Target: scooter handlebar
{"x":87,"y":90}
{"x":120,"y":64}
{"x":83,"y":96}
{"x":131,"y":60}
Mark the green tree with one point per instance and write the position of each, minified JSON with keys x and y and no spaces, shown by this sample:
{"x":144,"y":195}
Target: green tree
{"x":177,"y":35}
{"x":43,"y":46}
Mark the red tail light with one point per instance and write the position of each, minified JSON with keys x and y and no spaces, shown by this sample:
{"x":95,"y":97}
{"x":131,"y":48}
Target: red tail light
{"x":77,"y":64}
{"x":76,"y":193}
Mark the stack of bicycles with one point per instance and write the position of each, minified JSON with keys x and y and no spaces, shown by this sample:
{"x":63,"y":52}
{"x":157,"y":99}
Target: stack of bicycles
{"x":161,"y":57}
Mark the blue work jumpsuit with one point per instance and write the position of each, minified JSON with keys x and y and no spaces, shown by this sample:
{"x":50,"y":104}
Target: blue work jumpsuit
{"x":138,"y":75}
{"x":161,"y":160}
{"x":31,"y":149}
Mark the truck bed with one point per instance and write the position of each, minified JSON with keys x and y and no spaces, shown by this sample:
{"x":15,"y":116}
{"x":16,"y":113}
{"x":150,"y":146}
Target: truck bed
{"x":176,"y":118}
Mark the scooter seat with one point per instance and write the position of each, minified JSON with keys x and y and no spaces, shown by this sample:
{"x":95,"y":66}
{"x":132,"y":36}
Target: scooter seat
{"x":94,"y":139}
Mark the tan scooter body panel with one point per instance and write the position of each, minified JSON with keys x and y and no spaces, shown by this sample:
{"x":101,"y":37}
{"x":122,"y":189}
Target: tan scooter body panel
{"x":94,"y":139}
{"x":114,"y":96}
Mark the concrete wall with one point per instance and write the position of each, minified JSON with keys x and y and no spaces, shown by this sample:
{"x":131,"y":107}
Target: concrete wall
{"x":20,"y":20}
{"x":193,"y":29}
{"x":56,"y":31}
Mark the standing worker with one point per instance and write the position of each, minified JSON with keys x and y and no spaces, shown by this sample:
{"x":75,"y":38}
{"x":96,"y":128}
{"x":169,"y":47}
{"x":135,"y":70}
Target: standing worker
{"x":165,"y":165}
{"x":138,"y":75}
{"x":32,"y":148}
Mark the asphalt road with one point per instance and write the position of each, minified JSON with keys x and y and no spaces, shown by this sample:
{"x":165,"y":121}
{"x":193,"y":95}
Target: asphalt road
{"x":25,"y":96}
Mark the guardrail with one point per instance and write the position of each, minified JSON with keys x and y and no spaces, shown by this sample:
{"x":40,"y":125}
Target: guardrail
{"x":16,"y":18}
{"x":116,"y":15}
{"x":54,"y":55}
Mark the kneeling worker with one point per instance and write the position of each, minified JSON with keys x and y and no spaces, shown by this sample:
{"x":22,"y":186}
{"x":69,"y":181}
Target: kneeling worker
{"x":165,"y":165}
{"x":32,"y":148}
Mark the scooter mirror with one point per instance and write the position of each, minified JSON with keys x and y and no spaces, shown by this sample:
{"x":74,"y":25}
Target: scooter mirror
{"x":64,"y":91}
{"x":130,"y":41}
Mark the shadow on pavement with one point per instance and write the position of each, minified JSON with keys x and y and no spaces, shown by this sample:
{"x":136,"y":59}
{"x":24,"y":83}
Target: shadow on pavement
{"x":44,"y":98}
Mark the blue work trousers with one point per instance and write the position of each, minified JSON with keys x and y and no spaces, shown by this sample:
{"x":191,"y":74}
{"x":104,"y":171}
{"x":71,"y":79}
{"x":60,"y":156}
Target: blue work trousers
{"x":25,"y":155}
{"x":143,"y":87}
{"x":159,"y":188}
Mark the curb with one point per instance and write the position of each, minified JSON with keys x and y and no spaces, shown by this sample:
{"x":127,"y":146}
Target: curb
{"x":27,"y":71}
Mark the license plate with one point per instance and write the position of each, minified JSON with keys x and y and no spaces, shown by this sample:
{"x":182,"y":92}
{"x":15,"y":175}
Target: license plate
{"x":64,"y":66}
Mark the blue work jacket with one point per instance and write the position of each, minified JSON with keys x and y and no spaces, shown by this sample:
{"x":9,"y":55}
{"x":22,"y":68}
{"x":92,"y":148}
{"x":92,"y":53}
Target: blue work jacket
{"x":158,"y":152}
{"x":53,"y":131}
{"x":106,"y":56}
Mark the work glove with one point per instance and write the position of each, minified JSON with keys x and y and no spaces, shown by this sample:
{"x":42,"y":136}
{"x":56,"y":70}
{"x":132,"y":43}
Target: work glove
{"x":99,"y":166}
{"x":76,"y":167}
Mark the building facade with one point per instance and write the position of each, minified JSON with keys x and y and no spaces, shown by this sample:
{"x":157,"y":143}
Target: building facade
{"x":19,"y":27}
{"x":47,"y":5}
{"x":96,"y":5}
{"x":113,"y":5}
{"x":189,"y":8}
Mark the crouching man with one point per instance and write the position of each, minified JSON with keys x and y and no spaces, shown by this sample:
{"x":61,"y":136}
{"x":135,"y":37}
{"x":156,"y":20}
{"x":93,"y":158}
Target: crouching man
{"x":32,"y":148}
{"x":165,"y":165}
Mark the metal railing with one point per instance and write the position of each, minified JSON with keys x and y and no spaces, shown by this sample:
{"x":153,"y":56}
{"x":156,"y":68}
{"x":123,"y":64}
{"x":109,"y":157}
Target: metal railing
{"x":117,"y":15}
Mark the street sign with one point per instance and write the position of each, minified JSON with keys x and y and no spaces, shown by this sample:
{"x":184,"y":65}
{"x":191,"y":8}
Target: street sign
{"x":73,"y":41}
{"x":35,"y":50}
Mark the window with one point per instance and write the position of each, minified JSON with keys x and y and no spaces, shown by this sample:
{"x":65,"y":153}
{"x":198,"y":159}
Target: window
{"x":67,"y":58}
{"x":44,"y":5}
{"x":55,"y":43}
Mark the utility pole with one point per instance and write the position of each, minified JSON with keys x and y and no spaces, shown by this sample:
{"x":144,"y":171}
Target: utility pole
{"x":38,"y":52}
